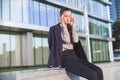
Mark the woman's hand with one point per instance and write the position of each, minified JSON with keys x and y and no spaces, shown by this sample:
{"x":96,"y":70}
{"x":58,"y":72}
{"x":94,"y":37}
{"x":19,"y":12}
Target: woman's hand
{"x":66,"y":20}
{"x":73,"y":22}
{"x":62,"y":23}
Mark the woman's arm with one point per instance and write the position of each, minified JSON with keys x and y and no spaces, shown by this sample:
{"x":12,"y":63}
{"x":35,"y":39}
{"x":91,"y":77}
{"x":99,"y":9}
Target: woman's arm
{"x":50,"y":38}
{"x":75,"y":35}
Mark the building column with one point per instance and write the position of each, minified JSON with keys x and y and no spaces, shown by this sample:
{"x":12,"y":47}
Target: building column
{"x":110,"y":36}
{"x":86,"y":24}
{"x":110,"y":43}
{"x":27,"y":49}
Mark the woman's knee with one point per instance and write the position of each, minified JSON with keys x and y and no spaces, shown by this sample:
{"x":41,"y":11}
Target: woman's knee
{"x":99,"y":70}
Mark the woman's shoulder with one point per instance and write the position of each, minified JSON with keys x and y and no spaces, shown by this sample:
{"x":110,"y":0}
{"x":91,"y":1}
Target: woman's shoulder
{"x":54,"y":26}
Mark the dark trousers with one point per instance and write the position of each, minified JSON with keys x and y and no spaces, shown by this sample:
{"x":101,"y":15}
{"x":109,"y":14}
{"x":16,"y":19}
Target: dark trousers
{"x":80,"y":67}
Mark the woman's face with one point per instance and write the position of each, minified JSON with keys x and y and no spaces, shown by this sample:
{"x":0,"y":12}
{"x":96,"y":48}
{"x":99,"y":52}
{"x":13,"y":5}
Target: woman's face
{"x":66,"y":16}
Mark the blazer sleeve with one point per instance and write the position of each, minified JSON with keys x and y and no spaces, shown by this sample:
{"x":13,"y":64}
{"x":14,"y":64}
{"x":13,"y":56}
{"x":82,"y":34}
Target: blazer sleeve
{"x":50,"y":39}
{"x":51,"y":47}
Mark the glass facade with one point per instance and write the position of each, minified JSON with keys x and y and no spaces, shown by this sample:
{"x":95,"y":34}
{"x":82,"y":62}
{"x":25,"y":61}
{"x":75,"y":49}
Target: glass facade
{"x":94,"y":6}
{"x":97,"y":9}
{"x":41,"y":50}
{"x":98,"y":28}
{"x":99,"y":49}
{"x":40,"y":13}
{"x":14,"y":49}
{"x":15,"y":10}
{"x":0,"y":10}
{"x":10,"y":53}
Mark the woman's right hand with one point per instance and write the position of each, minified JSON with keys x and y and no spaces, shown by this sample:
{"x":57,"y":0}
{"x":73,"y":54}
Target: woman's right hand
{"x":62,"y":22}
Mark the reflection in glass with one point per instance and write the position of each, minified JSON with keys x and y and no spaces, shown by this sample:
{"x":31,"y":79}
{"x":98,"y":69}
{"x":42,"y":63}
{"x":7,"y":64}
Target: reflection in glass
{"x":31,"y":12}
{"x":43,"y":14}
{"x":10,"y":50}
{"x":98,"y":28}
{"x":4,"y":50}
{"x":94,"y":7}
{"x":41,"y":51}
{"x":97,"y":9}
{"x":0,"y":9}
{"x":56,"y":15}
{"x":50,"y":15}
{"x":79,"y":23}
{"x":15,"y":50}
{"x":99,"y":50}
{"x":36,"y":13}
{"x":37,"y":46}
{"x":16,"y":10}
{"x":5,"y":9}
{"x":45,"y":50}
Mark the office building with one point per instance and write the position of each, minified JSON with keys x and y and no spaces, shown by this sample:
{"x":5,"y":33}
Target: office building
{"x":115,"y":10}
{"x":24,"y":26}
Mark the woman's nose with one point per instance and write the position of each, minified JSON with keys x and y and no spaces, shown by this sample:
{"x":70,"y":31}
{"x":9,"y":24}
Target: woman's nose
{"x":68,"y":19}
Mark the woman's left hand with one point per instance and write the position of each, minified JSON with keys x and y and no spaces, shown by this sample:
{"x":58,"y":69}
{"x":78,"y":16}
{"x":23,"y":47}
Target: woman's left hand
{"x":73,"y":22}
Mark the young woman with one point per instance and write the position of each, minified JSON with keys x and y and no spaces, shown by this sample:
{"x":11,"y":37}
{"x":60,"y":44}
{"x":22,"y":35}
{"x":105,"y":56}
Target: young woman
{"x":66,"y":50}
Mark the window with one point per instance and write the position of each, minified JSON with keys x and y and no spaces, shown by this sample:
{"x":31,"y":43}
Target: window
{"x":36,"y":13}
{"x":6,"y":10}
{"x":43,"y":14}
{"x":25,"y":12}
{"x":16,"y":10}
{"x":0,"y":9}
{"x":56,"y":15}
{"x":15,"y":50}
{"x":79,"y":22}
{"x":10,"y":52}
{"x":41,"y":50}
{"x":31,"y":12}
{"x":50,"y":15}
{"x":4,"y":50}
{"x":99,"y":50}
{"x":98,"y":28}
{"x":37,"y":46}
{"x":45,"y":50}
{"x":97,"y":9}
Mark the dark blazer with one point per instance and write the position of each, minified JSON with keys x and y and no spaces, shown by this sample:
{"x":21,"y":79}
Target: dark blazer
{"x":55,"y":46}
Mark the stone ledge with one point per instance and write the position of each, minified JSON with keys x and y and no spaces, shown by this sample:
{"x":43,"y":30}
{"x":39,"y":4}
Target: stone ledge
{"x":111,"y":71}
{"x":39,"y":74}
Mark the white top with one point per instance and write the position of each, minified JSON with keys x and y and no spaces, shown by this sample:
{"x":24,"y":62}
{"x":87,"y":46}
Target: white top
{"x":66,"y":38}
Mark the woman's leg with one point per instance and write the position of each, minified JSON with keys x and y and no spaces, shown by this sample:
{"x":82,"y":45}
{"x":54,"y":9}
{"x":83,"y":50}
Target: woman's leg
{"x":78,"y":68}
{"x":72,"y":76}
{"x":95,"y":68}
